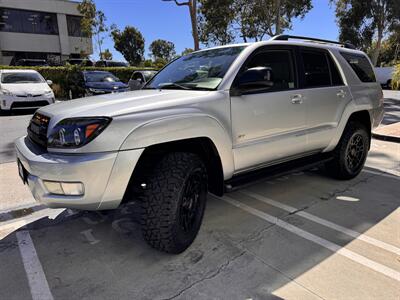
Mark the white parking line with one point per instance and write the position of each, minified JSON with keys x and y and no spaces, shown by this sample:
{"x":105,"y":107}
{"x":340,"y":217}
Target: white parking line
{"x":37,"y":280}
{"x":334,"y":226}
{"x":316,"y":239}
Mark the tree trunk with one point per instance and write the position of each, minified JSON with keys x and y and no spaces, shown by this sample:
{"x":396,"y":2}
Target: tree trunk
{"x":278,"y":17}
{"x":193,"y":19}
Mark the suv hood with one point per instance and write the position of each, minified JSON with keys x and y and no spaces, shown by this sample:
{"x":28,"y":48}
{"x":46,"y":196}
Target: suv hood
{"x":23,"y":89}
{"x":111,"y":105}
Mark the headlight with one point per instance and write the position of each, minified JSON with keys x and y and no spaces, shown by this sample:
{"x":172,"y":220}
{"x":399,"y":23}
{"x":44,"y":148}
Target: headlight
{"x":49,"y":92}
{"x":76,"y":132}
{"x":6,"y":92}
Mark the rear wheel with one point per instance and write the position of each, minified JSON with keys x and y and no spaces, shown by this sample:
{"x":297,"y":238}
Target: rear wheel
{"x":351,"y":152}
{"x":173,"y":202}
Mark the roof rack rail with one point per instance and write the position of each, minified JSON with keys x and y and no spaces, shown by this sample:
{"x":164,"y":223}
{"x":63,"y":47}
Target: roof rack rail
{"x":285,"y":37}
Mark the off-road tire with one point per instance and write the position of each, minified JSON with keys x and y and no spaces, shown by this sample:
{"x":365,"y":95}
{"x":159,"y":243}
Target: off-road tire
{"x":163,"y":199}
{"x":339,"y":167}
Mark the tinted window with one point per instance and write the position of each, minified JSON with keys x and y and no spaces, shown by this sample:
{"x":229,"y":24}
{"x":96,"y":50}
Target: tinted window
{"x":21,"y":78}
{"x":280,"y":62}
{"x":336,"y":77}
{"x":74,"y":26}
{"x":25,"y":21}
{"x":100,"y":77}
{"x":360,"y":65}
{"x":316,"y":70}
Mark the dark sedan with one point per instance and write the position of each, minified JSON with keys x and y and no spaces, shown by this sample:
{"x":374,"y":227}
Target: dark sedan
{"x":96,"y":83}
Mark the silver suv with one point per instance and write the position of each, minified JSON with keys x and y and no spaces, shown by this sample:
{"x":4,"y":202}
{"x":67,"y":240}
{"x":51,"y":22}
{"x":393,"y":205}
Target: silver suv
{"x":203,"y":123}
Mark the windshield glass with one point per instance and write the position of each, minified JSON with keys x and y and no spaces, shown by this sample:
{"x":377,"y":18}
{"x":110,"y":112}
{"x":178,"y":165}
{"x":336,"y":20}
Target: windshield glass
{"x":21,"y":78}
{"x":202,"y":70}
{"x":100,"y":77}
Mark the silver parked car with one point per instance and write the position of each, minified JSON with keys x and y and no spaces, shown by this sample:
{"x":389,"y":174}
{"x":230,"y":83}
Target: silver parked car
{"x":203,"y":123}
{"x":140,"y":78}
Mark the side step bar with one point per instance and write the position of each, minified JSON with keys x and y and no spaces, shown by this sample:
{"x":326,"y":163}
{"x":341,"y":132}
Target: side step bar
{"x":250,"y":178}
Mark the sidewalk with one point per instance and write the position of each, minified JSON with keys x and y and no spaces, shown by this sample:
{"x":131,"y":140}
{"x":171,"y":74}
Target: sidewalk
{"x":390,"y":133}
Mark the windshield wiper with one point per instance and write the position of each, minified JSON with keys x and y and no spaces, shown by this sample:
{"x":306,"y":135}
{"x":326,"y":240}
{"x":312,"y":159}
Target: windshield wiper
{"x":172,"y":85}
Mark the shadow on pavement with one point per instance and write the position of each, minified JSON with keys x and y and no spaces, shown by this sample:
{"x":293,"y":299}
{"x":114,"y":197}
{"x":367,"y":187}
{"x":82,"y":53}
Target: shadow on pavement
{"x":101,"y":255}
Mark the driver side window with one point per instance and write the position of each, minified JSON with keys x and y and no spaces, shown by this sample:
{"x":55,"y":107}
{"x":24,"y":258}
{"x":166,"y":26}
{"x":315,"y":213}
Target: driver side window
{"x":281,"y":64}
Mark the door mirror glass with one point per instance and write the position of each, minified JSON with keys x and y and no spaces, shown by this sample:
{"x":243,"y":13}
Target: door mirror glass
{"x":256,"y":78}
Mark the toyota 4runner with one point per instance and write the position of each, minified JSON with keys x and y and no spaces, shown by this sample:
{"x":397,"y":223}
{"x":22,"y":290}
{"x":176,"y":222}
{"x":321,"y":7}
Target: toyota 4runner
{"x":202,"y":121}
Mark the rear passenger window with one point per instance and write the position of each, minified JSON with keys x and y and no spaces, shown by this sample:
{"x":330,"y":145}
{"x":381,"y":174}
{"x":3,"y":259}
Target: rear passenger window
{"x":336,"y":77}
{"x":316,"y":69}
{"x":361,"y":66}
{"x":280,"y":61}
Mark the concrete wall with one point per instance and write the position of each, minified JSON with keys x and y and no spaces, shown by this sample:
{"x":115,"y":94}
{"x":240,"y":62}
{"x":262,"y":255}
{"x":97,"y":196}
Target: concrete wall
{"x":61,"y":44}
{"x":54,"y":6}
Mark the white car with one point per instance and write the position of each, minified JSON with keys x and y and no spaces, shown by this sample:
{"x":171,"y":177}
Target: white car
{"x":24,"y":89}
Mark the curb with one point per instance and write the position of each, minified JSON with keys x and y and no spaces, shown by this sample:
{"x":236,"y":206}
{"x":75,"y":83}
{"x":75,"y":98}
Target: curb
{"x":387,"y":138}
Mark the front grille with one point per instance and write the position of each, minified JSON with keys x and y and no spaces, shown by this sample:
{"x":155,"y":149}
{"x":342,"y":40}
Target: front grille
{"x":28,"y":104}
{"x":37,"y":129}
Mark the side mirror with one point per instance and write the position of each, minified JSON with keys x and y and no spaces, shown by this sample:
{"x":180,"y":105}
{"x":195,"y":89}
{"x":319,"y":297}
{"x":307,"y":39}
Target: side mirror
{"x":49,"y":82}
{"x":253,"y":80}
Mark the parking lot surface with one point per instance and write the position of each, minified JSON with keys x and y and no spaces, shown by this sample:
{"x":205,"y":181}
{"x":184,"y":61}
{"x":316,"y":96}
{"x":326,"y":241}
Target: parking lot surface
{"x":300,"y":236}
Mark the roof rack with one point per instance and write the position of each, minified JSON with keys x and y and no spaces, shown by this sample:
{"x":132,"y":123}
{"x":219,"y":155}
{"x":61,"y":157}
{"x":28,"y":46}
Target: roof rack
{"x":285,"y":37}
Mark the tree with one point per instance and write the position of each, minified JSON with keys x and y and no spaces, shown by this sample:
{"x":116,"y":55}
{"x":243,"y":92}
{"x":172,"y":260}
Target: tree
{"x":187,"y":51}
{"x":130,"y":42}
{"x":93,"y":23}
{"x":366,"y":23}
{"x":220,"y":22}
{"x":107,"y":55}
{"x":192,"y":5}
{"x":162,"y":49}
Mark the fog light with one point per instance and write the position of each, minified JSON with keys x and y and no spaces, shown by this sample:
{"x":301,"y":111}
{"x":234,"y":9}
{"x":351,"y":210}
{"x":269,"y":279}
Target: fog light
{"x":64,"y":188}
{"x":73,"y":189}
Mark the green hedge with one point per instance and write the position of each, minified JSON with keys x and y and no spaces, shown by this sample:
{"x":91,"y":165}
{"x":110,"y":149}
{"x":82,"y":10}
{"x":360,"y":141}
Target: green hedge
{"x":61,"y":76}
{"x":396,"y":78}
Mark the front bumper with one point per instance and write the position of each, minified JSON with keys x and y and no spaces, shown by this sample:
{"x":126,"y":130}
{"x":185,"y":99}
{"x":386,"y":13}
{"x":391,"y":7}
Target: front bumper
{"x":105,"y":176}
{"x":18,"y":102}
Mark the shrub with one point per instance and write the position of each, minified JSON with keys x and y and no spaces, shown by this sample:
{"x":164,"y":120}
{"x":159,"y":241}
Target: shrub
{"x":396,"y":78}
{"x":62,"y":77}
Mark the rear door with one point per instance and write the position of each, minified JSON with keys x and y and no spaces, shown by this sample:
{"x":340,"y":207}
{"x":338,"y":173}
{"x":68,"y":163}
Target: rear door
{"x":269,"y":125}
{"x":325,"y":95}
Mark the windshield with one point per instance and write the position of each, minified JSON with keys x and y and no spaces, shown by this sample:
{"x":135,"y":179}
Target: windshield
{"x":21,"y":78}
{"x":100,"y":77}
{"x":202,"y":70}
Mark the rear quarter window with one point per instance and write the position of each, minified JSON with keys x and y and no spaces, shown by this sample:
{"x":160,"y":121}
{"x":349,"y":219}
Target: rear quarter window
{"x":361,"y":66}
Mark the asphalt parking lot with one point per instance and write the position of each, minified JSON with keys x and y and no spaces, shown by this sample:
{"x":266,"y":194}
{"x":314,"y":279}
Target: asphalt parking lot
{"x":300,"y":236}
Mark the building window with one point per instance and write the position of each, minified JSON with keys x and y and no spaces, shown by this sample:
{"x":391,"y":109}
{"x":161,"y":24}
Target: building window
{"x":25,"y":21}
{"x":74,"y":26}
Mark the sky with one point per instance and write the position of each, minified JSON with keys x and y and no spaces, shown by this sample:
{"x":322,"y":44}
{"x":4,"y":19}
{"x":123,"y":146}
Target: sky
{"x":163,"y":20}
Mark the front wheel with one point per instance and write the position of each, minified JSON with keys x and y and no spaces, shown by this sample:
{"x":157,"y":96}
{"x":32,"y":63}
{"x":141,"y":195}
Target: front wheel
{"x":351,"y":152}
{"x":173,"y":202}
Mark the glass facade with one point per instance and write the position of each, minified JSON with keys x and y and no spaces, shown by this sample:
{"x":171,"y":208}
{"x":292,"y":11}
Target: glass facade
{"x":26,"y":21}
{"x":74,"y":26}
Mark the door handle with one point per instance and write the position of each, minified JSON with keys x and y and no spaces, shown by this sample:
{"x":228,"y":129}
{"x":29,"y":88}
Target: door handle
{"x":341,"y":94}
{"x":297,"y":99}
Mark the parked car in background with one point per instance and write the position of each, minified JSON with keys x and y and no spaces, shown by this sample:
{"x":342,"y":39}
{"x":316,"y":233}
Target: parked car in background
{"x":110,"y":63}
{"x":89,"y":83}
{"x":32,"y":62}
{"x":140,"y":78}
{"x":384,"y":76}
{"x":23,"y":89}
{"x":79,"y":61}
